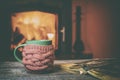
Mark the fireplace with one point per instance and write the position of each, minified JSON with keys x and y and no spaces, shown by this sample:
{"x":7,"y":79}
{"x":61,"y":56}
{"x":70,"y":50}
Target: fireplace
{"x":34,"y":25}
{"x":35,"y":20}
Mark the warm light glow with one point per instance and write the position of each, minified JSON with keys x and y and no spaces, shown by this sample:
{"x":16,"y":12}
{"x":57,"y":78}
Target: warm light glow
{"x":33,"y":25}
{"x":50,"y":36}
{"x":35,"y":21}
{"x":26,"y":21}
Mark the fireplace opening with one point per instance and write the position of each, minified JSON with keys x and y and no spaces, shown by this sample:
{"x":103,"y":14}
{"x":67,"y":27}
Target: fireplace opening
{"x":33,"y":25}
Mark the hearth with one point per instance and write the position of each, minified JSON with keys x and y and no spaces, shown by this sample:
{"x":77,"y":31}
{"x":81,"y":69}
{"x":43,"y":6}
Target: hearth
{"x":34,"y":20}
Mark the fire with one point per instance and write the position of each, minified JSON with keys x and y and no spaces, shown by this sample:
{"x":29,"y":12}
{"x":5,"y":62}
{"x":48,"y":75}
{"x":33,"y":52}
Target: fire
{"x":33,"y":25}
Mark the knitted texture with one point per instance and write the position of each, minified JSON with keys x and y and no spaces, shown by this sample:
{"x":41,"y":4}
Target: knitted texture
{"x":37,"y":58}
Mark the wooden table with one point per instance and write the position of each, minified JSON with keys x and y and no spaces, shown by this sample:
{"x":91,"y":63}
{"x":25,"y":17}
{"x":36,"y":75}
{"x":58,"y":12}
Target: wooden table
{"x":16,"y":71}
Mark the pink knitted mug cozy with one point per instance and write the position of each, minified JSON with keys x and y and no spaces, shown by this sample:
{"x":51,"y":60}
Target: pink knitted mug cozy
{"x":33,"y":55}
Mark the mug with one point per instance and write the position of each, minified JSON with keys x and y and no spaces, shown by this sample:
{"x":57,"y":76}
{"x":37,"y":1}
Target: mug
{"x":34,"y":55}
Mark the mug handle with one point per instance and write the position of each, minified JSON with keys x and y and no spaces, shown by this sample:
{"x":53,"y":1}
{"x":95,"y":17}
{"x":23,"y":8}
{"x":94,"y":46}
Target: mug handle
{"x":18,"y":59}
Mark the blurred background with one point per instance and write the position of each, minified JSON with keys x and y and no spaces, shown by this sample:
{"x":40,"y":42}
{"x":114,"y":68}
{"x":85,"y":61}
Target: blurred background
{"x":79,"y":29}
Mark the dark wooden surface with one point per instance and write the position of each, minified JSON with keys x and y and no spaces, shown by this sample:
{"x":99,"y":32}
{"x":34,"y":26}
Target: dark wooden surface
{"x":16,"y":71}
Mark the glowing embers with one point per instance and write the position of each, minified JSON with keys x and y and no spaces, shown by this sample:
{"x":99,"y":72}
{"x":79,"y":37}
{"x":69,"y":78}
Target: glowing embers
{"x":33,"y":25}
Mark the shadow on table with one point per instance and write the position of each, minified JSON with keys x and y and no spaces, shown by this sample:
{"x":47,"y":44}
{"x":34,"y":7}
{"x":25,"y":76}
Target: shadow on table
{"x":54,"y":69}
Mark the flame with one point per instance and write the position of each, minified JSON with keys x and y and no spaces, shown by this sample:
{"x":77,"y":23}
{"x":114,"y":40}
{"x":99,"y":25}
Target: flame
{"x":33,"y":25}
